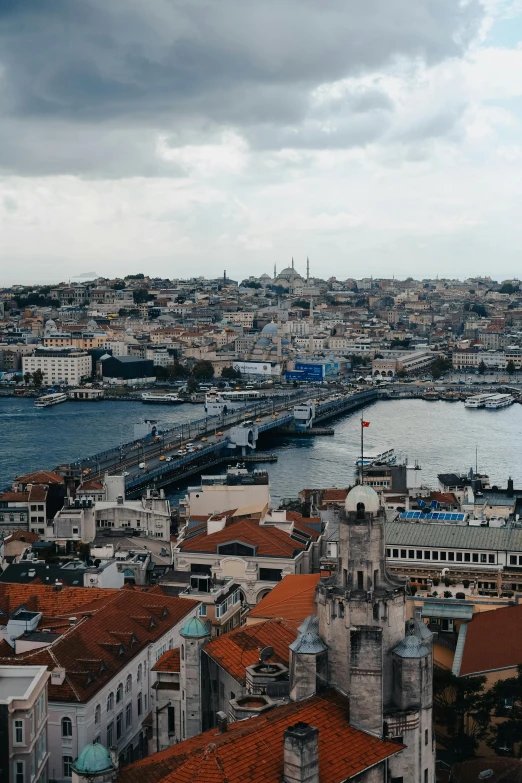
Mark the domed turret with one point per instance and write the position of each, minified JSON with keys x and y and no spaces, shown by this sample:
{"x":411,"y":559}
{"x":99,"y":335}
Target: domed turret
{"x":269,"y":330}
{"x":94,"y":760}
{"x":195,"y":628}
{"x":365,"y":495}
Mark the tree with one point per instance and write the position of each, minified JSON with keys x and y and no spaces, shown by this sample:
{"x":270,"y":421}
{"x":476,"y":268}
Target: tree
{"x":119,"y":286}
{"x":301,"y":303}
{"x":251,"y":284}
{"x":439,"y":366}
{"x":510,"y":367}
{"x":139,"y":276}
{"x":203,"y":370}
{"x":482,"y":367}
{"x":401,"y":373}
{"x":505,"y":701}
{"x":27,"y":378}
{"x":38,"y":378}
{"x":141,"y":295}
{"x":460,"y":711}
{"x":160,"y":372}
{"x":177,"y":370}
{"x":508,"y":288}
{"x":230,"y":374}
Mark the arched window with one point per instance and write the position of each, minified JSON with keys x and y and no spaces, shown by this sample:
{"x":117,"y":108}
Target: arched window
{"x":119,"y":693}
{"x":110,"y":702}
{"x":66,"y":727}
{"x":128,"y":684}
{"x":138,"y":674}
{"x":360,"y":510}
{"x":97,"y":713}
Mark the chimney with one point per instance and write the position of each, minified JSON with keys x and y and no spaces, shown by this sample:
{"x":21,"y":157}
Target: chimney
{"x":301,"y":754}
{"x":510,"y":487}
{"x":222,"y":723}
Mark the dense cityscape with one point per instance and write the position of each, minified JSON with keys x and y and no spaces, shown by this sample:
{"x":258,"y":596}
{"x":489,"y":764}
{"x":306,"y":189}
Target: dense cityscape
{"x":260,"y":391}
{"x":171,"y":630}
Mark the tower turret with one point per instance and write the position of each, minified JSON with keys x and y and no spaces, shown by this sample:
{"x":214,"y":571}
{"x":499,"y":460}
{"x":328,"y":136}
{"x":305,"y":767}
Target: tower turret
{"x":195,"y":634}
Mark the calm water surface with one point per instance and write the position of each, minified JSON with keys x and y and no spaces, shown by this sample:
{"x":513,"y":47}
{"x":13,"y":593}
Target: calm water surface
{"x":441,"y":436}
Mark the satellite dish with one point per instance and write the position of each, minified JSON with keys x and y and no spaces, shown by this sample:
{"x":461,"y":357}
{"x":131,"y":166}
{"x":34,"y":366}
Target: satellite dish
{"x":266,"y":653}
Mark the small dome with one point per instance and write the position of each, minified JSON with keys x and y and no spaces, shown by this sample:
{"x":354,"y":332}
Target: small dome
{"x":365,"y":495}
{"x":411,"y":647}
{"x":265,"y":277}
{"x":269,"y":329}
{"x":94,"y":760}
{"x":195,"y":628}
{"x":308,"y":643}
{"x":263,"y":342}
{"x":92,"y":324}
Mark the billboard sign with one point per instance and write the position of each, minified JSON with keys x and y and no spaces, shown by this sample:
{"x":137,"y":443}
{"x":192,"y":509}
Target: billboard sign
{"x":254,"y":368}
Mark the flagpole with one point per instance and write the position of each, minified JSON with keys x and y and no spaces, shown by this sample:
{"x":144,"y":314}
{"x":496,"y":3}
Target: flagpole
{"x":362,"y":450}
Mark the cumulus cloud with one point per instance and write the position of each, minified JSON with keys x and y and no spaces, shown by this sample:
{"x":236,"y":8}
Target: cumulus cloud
{"x":85,"y":87}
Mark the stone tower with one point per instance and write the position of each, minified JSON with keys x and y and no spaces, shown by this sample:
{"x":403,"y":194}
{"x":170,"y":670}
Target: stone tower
{"x":362,"y":618}
{"x":195,"y":634}
{"x":362,"y":612}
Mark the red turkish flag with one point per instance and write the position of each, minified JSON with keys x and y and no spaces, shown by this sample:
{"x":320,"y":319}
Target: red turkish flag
{"x":365,"y":423}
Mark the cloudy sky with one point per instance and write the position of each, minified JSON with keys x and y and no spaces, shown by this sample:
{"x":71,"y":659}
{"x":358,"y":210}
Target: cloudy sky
{"x":182,"y":137}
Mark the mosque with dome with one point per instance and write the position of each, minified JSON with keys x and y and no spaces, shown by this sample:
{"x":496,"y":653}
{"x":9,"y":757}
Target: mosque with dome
{"x":292,"y":282}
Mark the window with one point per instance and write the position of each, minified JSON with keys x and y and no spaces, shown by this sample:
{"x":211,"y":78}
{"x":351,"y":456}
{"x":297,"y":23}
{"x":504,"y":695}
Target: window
{"x":138,"y":674}
{"x":31,"y":724}
{"x":434,"y":555}
{"x":419,"y":554}
{"x":33,"y":764}
{"x":19,"y":732}
{"x":467,"y":557}
{"x":341,"y":609}
{"x":475,"y":557}
{"x":360,"y":580}
{"x":202,"y":611}
{"x":119,"y":725}
{"x":119,"y":693}
{"x":388,"y":553}
{"x":426,"y":775}
{"x":396,"y":553}
{"x":426,"y":735}
{"x":482,"y":557}
{"x":97,"y":713}
{"x":427,"y":555}
{"x":512,"y":559}
{"x":459,"y":557}
{"x":128,"y":684}
{"x":110,"y":731}
{"x":451,"y":555}
{"x":66,"y":727}
{"x":139,"y":703}
{"x":128,"y":715}
{"x":19,"y":771}
{"x":110,"y":702}
{"x":170,"y":713}
{"x":67,"y":766}
{"x":443,"y":555}
{"x":411,"y":554}
{"x":491,"y":558}
{"x":270,"y":574}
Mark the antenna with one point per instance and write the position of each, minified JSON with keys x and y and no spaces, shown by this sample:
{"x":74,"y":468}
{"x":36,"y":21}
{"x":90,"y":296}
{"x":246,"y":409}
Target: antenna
{"x":265,"y":654}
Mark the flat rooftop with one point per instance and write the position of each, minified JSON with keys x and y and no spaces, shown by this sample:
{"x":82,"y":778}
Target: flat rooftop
{"x":14,"y":687}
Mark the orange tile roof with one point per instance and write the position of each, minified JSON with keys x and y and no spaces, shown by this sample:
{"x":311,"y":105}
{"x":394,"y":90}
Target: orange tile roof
{"x":236,"y":650}
{"x":107,"y":635}
{"x":38,"y":492}
{"x":22,"y":535}
{"x":92,"y":484}
{"x":334,"y":495}
{"x":14,"y":497}
{"x":291,"y":599}
{"x":269,"y":541}
{"x":40,"y":477}
{"x":252,"y":750}
{"x":493,"y":640}
{"x":169,"y":662}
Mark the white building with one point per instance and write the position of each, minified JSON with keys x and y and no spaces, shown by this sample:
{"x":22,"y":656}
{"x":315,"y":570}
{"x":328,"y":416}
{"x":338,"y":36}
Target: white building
{"x":59,"y":366}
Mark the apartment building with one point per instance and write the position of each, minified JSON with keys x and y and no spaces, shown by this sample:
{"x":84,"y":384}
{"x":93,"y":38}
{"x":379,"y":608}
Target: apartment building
{"x":59,"y":365}
{"x":23,"y":716}
{"x":100,"y":646}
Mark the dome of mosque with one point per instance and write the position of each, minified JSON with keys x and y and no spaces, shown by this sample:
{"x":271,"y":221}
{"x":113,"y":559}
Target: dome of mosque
{"x":92,"y":324}
{"x":49,"y":325}
{"x":263,"y":342}
{"x":265,"y":277}
{"x":365,"y":495}
{"x":269,"y":329}
{"x":93,"y":760}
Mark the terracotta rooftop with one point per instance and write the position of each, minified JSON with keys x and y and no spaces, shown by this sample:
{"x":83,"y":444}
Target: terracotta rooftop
{"x":252,"y":750}
{"x":105,"y":638}
{"x":92,"y":484}
{"x":236,"y":650}
{"x":291,"y":599}
{"x":38,"y":492}
{"x":40,"y":477}
{"x":269,"y":541}
{"x":22,"y":535}
{"x":14,"y":497}
{"x":334,"y":495}
{"x":493,"y":641}
{"x":169,"y":662}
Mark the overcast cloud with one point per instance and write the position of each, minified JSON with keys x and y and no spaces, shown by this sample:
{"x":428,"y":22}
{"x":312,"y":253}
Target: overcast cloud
{"x":163,"y":135}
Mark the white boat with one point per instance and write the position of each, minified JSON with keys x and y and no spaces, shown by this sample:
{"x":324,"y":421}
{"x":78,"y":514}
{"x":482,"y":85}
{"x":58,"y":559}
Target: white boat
{"x":50,"y":399}
{"x":383,"y":457}
{"x":478,"y":400}
{"x":499,"y":401}
{"x":161,"y":399}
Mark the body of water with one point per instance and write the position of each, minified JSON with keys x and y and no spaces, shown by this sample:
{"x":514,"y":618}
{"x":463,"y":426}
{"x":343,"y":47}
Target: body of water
{"x":440,"y":436}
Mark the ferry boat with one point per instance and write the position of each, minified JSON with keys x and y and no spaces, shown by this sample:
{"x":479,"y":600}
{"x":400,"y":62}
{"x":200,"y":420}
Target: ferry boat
{"x":478,"y":400}
{"x":384,"y":457}
{"x":161,"y":399}
{"x":499,"y":401}
{"x":50,"y":399}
